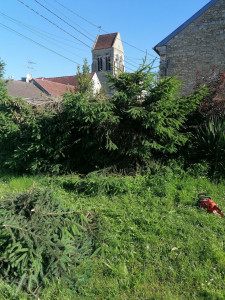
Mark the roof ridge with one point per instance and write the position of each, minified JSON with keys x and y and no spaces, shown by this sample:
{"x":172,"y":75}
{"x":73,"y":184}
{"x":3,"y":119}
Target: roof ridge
{"x":46,"y":78}
{"x":108,"y":33}
{"x":186,"y":23}
{"x":105,"y":41}
{"x":52,"y":82}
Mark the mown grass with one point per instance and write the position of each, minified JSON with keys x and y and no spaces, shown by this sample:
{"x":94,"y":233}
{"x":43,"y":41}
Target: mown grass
{"x":151,"y":241}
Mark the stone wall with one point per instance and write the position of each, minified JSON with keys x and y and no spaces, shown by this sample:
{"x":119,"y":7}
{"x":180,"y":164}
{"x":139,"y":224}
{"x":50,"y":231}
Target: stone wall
{"x":116,"y":54}
{"x":199,"y":46}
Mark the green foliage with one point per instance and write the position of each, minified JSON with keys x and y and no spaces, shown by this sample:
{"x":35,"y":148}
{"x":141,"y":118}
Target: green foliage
{"x":85,"y":84}
{"x":133,"y":84}
{"x":155,"y":242}
{"x":20,"y":135}
{"x":208,"y":144}
{"x":142,"y":121}
{"x":14,"y":118}
{"x":3,"y":90}
{"x":150,"y":114}
{"x":87,"y":125}
{"x":213,"y":103}
{"x":152,"y":241}
{"x":40,"y":241}
{"x":2,"y":68}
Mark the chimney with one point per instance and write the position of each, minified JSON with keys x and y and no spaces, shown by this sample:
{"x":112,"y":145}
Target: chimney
{"x":28,"y":78}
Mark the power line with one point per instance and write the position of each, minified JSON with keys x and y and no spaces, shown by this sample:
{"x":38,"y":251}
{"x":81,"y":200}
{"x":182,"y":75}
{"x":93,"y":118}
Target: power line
{"x":8,"y":28}
{"x":69,"y":24}
{"x":92,"y":35}
{"x":135,"y":58}
{"x":39,"y":44}
{"x":130,"y":64}
{"x":47,"y":34}
{"x":135,"y":63}
{"x":62,"y":20}
{"x":31,"y":40}
{"x":76,"y":14}
{"x":38,"y":33}
{"x":53,"y":23}
{"x":42,"y":36}
{"x":97,"y":26}
{"x":129,"y":69}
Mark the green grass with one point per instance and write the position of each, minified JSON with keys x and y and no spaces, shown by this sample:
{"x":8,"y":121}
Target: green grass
{"x":151,"y":241}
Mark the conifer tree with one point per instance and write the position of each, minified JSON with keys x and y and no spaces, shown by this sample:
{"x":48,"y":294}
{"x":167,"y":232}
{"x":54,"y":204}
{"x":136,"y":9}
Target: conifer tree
{"x":2,"y":68}
{"x":84,"y":79}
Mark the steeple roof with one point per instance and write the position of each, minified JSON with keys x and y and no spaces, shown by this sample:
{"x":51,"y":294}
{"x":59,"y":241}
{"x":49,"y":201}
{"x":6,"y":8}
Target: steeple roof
{"x":104,"y":41}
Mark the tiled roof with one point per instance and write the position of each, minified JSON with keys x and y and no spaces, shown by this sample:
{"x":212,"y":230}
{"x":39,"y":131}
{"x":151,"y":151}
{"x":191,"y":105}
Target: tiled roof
{"x":185,"y":24}
{"x":54,"y":88}
{"x":104,"y":41}
{"x":66,"y":80}
{"x":20,"y":89}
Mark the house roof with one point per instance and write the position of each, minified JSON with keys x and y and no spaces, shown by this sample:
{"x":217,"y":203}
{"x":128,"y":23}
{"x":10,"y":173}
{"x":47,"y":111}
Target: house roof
{"x":54,"y":88}
{"x":185,"y":24}
{"x":20,"y":89}
{"x":104,"y":41}
{"x":65,"y":80}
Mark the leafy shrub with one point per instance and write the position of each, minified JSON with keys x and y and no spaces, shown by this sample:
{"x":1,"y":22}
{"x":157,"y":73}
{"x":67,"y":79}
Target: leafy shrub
{"x":215,"y":82}
{"x":206,"y":125}
{"x":40,"y":241}
{"x":208,"y":144}
{"x":213,"y":103}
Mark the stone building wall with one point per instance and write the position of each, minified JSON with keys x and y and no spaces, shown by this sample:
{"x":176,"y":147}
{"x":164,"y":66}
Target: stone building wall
{"x":116,"y":55}
{"x":103,"y":53}
{"x":199,"y":46}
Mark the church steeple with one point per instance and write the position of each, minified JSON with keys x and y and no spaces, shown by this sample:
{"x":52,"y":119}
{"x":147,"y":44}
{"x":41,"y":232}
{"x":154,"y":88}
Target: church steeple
{"x":107,"y":56}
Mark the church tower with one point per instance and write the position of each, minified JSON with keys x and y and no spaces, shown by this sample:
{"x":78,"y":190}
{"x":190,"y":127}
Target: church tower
{"x":107,"y":56}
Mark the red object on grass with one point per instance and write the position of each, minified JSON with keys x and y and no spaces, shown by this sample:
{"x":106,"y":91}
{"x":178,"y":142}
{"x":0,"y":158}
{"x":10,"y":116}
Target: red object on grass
{"x":207,"y":203}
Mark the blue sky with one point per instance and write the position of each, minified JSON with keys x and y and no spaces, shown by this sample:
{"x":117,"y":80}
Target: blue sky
{"x":31,"y":44}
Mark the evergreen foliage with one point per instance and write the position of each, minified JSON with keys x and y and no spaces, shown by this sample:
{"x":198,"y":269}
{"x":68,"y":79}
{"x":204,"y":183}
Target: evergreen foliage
{"x":26,"y":140}
{"x":3,"y":91}
{"x":143,"y":120}
{"x":40,"y":241}
{"x":85,"y":84}
{"x":2,"y":68}
{"x":150,"y":113}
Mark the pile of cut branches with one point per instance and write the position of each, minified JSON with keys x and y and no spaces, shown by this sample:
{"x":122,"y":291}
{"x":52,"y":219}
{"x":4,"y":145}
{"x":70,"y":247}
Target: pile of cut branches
{"x":40,"y":241}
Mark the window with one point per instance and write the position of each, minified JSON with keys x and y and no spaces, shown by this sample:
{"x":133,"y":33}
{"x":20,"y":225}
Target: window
{"x":99,"y":63}
{"x":107,"y":61}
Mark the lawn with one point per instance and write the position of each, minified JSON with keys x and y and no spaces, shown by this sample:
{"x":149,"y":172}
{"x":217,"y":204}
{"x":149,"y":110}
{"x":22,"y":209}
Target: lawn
{"x":151,"y":241}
